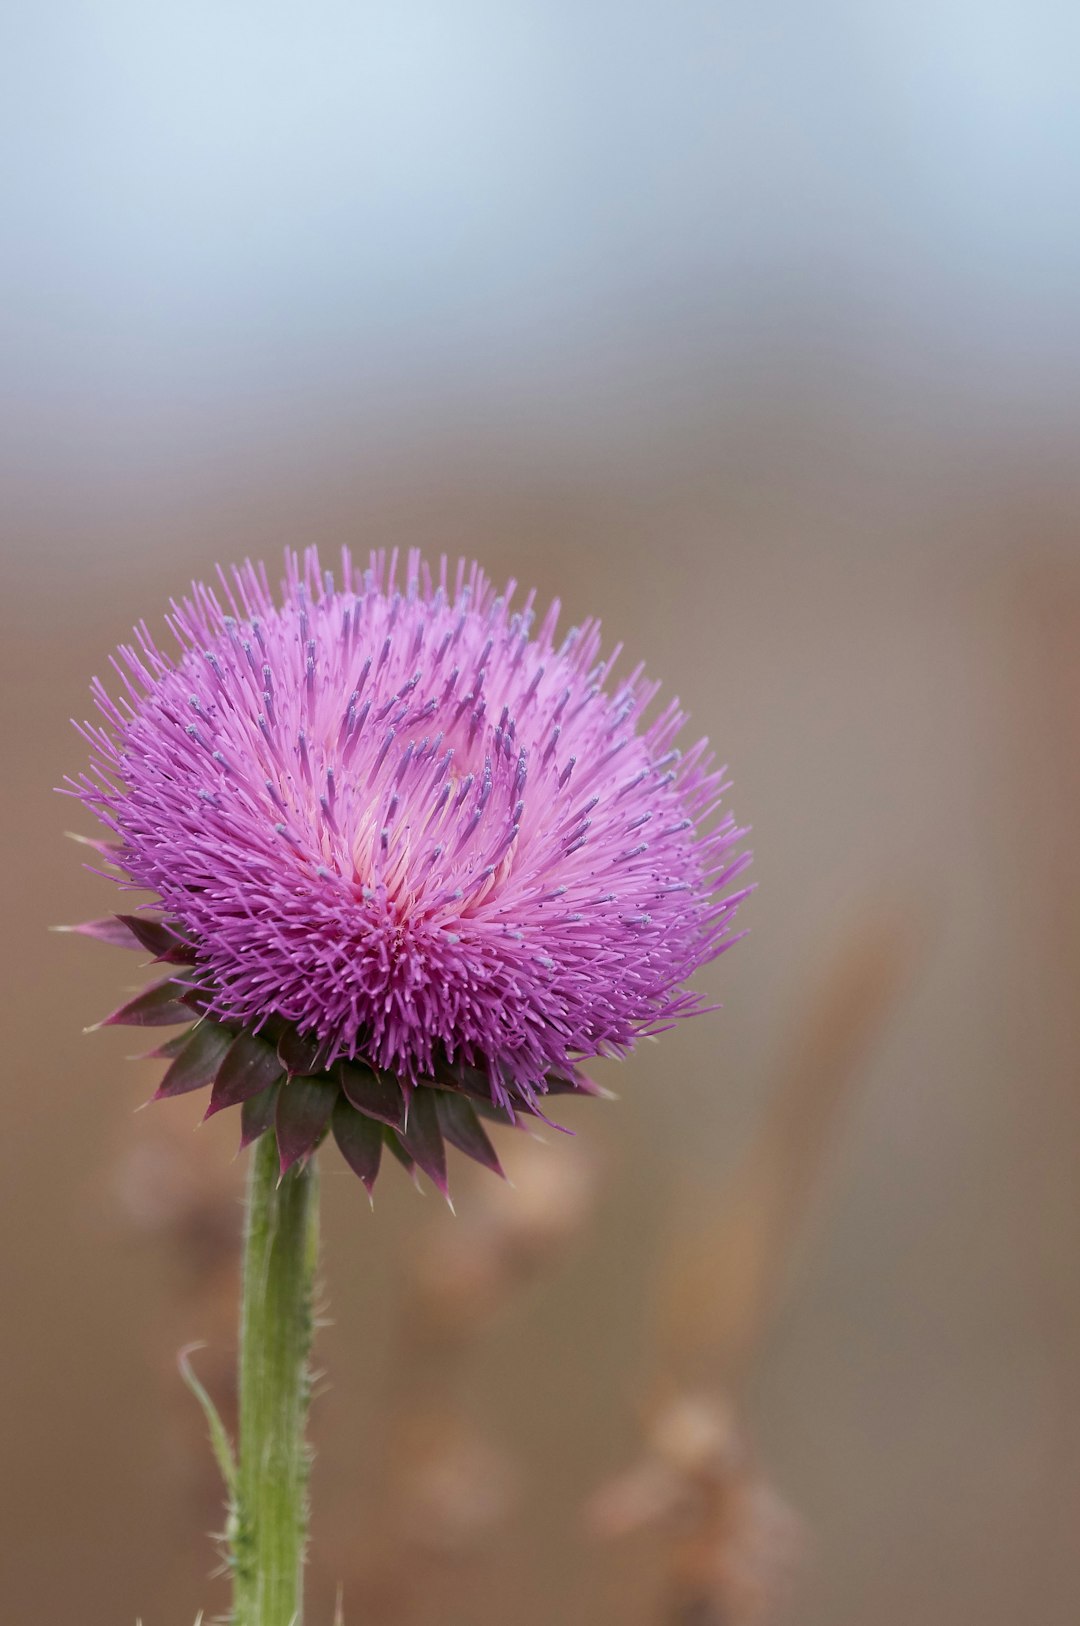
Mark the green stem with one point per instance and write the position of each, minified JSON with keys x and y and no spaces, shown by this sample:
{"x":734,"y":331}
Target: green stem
{"x":271,"y":1515}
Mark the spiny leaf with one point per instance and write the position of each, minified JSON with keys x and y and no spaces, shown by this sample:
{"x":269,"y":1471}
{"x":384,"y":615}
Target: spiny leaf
{"x":572,"y":1081}
{"x":161,"y":941}
{"x":463,"y":1129}
{"x":408,"y":1163}
{"x":161,"y":1006}
{"x":375,"y":1094}
{"x":458,"y":1075}
{"x":219,"y":1435}
{"x":302,"y":1117}
{"x":168,"y":1050}
{"x":360,"y":1141}
{"x":111,"y":930}
{"x":198,"y":1062}
{"x":108,"y":849}
{"x":257,"y":1114}
{"x":301,"y":1054}
{"x":250,"y":1066}
{"x":422,"y":1138}
{"x":500,"y":1115}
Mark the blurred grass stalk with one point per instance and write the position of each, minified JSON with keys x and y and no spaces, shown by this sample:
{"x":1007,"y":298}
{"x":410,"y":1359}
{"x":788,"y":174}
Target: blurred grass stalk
{"x":442,"y":1487}
{"x":727,"y":1539}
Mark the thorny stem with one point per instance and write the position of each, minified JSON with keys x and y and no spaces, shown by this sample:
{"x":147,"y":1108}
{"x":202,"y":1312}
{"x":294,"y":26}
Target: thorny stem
{"x":270,"y":1519}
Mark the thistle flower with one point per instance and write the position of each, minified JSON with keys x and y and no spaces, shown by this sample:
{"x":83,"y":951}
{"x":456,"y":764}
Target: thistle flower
{"x":416,"y":860}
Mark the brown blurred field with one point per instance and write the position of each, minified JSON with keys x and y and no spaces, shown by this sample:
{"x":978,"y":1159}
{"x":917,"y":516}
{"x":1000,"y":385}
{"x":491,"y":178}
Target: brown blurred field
{"x":841,"y":1216}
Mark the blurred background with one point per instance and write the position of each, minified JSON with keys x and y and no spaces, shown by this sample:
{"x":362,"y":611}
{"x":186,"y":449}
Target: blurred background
{"x":754,"y":330}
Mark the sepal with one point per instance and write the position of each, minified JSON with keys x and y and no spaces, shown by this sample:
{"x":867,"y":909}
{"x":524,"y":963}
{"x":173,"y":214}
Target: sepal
{"x":168,"y":1050}
{"x":160,"y":940}
{"x":302,"y":1118}
{"x":463,"y":1129}
{"x":163,"y":1005}
{"x":197,"y":1063}
{"x":360,"y":1141}
{"x":408,"y":1163}
{"x":249,"y":1067}
{"x":375,"y":1094}
{"x":257,"y":1115}
{"x":111,"y":930}
{"x":422,"y":1138}
{"x":301,"y":1054}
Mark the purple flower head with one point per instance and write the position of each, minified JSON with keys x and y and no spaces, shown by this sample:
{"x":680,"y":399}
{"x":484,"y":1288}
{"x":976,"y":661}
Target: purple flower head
{"x":415,"y":856}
